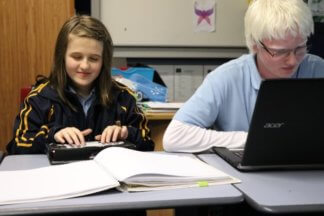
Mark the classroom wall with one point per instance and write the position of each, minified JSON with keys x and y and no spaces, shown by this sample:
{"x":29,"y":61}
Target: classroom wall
{"x":28,"y":32}
{"x":170,"y":23}
{"x":165,"y":28}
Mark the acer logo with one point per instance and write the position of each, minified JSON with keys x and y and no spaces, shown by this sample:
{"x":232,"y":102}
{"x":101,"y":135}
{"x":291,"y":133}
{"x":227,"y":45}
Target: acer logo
{"x":273,"y":125}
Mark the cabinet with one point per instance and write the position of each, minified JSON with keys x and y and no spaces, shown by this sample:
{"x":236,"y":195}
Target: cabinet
{"x":182,"y":80}
{"x":187,"y":79}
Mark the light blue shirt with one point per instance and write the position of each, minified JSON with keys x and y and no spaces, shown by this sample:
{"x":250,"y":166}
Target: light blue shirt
{"x":226,"y":99}
{"x":85,"y":102}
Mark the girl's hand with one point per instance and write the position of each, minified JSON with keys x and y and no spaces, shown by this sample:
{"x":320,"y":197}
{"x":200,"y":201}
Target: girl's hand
{"x":71,"y":135}
{"x":113,"y":133}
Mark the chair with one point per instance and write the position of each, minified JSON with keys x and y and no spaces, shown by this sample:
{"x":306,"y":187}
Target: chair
{"x":2,"y":154}
{"x":24,"y":92}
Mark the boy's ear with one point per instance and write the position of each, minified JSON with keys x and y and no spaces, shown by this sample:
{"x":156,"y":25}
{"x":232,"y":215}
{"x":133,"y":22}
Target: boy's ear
{"x":255,"y":48}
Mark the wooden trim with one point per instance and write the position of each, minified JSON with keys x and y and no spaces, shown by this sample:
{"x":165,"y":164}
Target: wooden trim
{"x":159,"y":115}
{"x":28,"y":33}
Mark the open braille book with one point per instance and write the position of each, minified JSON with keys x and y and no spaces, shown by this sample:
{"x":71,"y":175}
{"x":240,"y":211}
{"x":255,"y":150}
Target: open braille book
{"x":114,"y":167}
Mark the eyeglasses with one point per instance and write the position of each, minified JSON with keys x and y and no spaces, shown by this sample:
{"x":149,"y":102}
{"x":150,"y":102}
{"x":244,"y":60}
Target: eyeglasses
{"x":283,"y":53}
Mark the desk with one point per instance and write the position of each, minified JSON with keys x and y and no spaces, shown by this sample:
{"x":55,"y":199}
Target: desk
{"x":277,"y":191}
{"x":115,"y":200}
{"x":158,"y":122}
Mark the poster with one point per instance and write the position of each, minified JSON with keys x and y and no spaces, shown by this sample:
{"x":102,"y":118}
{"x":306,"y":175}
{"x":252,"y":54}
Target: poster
{"x":204,"y":15}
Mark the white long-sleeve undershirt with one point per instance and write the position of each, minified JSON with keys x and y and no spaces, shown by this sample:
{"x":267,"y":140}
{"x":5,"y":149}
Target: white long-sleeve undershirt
{"x":181,"y":137}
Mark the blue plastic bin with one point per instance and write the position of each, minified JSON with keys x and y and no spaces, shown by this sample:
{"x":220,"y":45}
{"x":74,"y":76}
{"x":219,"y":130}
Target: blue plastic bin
{"x":146,"y":72}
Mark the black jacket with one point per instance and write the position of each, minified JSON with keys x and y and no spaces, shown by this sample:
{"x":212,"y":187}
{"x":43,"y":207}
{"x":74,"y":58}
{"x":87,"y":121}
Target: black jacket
{"x":43,"y":113}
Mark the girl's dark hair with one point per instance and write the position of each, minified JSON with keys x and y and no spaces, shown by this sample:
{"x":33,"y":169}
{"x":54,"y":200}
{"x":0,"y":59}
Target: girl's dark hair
{"x":89,"y":27}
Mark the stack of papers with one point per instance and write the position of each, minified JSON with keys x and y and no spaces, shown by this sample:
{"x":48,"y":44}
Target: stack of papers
{"x":153,"y":106}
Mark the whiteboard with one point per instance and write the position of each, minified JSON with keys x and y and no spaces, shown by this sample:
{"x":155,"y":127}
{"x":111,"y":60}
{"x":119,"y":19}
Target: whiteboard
{"x":169,"y":23}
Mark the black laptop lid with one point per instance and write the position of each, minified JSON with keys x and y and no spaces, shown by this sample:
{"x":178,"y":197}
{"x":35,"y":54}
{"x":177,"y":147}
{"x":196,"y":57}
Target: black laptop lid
{"x":287,"y":127}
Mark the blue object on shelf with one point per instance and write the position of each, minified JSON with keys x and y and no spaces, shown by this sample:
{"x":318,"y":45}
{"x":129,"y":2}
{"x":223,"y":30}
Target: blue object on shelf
{"x":142,"y":78}
{"x":146,"y":72}
{"x":150,"y":90}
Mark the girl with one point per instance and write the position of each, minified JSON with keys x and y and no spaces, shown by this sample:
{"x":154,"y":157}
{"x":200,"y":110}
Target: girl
{"x":79,"y":101}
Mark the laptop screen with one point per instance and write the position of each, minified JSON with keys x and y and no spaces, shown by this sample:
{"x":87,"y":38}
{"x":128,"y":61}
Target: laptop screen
{"x":287,"y":126}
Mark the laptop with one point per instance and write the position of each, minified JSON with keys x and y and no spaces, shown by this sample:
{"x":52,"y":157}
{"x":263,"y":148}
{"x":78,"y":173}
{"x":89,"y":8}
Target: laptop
{"x":286,"y":130}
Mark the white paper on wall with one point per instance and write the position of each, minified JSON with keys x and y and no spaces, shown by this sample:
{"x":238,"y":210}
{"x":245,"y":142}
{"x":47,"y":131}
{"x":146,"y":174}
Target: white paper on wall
{"x":204,"y":12}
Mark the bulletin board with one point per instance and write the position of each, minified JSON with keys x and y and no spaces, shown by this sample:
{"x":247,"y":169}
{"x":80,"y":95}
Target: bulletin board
{"x":170,"y":23}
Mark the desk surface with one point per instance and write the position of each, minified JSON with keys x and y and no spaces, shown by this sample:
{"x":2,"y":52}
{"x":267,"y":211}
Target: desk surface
{"x":115,"y":200}
{"x":277,"y":191}
{"x":159,"y":115}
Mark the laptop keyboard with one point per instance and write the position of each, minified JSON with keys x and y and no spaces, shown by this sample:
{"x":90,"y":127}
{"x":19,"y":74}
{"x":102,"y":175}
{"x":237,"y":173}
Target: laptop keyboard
{"x":238,"y":153}
{"x":233,"y":156}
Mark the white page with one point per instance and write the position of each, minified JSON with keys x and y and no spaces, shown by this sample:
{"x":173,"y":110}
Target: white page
{"x":161,"y":105}
{"x":54,"y":182}
{"x":99,"y":144}
{"x":92,"y":144}
{"x":125,"y":163}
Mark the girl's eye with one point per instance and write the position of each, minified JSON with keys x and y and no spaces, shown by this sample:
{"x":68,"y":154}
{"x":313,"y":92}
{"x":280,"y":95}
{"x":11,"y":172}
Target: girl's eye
{"x":93,"y":59}
{"x":77,"y":57}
